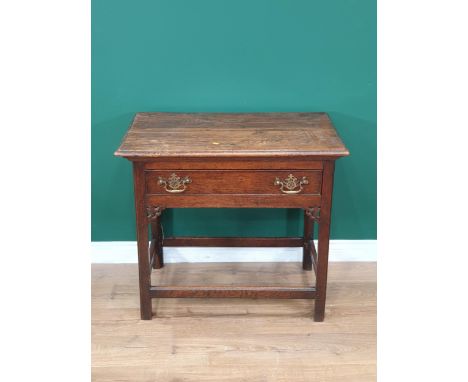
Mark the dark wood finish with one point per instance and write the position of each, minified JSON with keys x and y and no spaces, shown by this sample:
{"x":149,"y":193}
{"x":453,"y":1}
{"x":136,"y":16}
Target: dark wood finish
{"x":323,"y":240}
{"x":222,"y":182}
{"x":232,"y":161}
{"x":153,"y":213}
{"x":233,"y":201}
{"x":142,"y":239}
{"x":233,"y":242}
{"x":313,"y":253}
{"x":308,"y":237}
{"x":231,"y":292}
{"x":181,"y":135}
{"x":156,"y":247}
{"x":231,"y":164}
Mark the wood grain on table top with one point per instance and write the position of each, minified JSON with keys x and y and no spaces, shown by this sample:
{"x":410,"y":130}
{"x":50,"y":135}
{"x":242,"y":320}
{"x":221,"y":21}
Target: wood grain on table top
{"x":222,"y":134}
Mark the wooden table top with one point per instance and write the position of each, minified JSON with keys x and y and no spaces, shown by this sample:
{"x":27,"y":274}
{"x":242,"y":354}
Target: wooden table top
{"x":231,"y":135}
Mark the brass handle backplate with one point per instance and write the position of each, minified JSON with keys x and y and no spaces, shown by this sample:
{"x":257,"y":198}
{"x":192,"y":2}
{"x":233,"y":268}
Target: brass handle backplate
{"x":291,"y":185}
{"x":174,"y":184}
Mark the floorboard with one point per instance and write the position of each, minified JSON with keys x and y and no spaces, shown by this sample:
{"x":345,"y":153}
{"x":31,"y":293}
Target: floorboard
{"x":226,"y":340}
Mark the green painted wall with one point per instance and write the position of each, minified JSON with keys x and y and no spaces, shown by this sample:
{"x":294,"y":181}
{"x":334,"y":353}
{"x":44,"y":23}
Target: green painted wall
{"x":234,"y":56}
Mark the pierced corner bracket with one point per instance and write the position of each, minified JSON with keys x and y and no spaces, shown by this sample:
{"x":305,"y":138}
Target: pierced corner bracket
{"x":313,"y":213}
{"x":153,"y":212}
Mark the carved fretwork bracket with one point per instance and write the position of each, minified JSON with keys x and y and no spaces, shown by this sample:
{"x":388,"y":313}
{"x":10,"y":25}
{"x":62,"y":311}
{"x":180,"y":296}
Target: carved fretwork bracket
{"x":153,"y":212}
{"x":314,"y":213}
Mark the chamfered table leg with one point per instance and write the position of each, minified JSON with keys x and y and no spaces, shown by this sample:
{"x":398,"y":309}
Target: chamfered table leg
{"x":308,"y":235}
{"x":323,"y":240}
{"x":144,"y":270}
{"x":156,"y":248}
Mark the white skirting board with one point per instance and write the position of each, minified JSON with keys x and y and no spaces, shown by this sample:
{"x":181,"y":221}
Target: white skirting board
{"x":126,"y":252}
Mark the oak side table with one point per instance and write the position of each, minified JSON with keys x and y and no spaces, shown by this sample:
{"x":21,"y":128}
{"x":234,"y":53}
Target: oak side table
{"x":264,"y":160}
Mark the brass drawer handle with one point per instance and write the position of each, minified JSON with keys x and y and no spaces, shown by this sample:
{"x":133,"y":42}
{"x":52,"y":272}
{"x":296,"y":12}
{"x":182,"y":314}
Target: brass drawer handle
{"x":174,"y":184}
{"x":290,"y":184}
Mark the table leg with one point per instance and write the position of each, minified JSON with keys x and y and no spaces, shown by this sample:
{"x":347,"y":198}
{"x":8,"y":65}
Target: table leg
{"x":308,"y":236}
{"x":144,"y":270}
{"x":156,"y":248}
{"x":323,"y":240}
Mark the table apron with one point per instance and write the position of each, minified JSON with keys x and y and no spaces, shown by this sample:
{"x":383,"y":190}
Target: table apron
{"x":233,"y":201}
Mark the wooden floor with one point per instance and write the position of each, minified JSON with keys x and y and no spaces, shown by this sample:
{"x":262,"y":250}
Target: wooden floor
{"x":234,"y":340}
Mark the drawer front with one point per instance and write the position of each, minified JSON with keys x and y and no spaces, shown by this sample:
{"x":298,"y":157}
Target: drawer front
{"x":265,"y":182}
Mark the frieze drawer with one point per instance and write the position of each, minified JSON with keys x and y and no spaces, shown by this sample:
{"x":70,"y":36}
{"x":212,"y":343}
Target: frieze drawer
{"x":271,"y":182}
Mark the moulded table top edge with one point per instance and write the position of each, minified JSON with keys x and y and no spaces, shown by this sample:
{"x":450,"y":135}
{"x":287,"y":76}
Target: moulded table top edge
{"x":237,"y":154}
